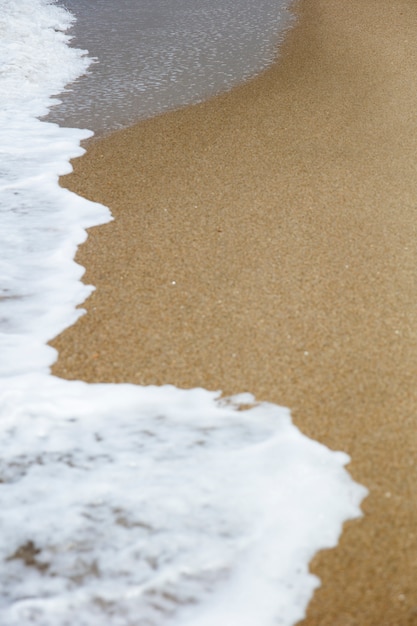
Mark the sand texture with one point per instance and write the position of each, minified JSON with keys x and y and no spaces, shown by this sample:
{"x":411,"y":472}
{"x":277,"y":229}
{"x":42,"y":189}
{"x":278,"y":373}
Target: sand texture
{"x":266,"y":241}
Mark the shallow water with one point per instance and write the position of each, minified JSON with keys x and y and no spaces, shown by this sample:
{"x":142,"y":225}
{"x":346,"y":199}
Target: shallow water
{"x":154,"y":55}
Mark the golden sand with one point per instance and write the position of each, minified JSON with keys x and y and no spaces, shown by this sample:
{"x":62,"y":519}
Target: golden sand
{"x":266,"y":241}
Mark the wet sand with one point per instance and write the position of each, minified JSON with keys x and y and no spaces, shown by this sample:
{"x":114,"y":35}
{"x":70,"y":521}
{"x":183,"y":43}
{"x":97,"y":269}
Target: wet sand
{"x":266,"y":241}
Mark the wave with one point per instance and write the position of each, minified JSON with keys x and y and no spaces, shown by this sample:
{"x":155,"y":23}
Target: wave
{"x":125,"y":504}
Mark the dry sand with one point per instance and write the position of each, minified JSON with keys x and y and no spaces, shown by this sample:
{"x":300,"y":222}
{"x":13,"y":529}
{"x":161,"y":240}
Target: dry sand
{"x":266,"y":241}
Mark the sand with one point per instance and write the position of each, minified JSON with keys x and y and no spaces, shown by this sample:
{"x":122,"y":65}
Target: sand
{"x":266,"y":241}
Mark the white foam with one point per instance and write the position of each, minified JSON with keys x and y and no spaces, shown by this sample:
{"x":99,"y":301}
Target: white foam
{"x":157,"y":505}
{"x":126,"y":505}
{"x":41,"y":224}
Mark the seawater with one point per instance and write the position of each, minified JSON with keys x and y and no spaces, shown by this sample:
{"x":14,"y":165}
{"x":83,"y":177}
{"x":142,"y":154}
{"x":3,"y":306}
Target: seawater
{"x":155,"y":55}
{"x":126,"y":505}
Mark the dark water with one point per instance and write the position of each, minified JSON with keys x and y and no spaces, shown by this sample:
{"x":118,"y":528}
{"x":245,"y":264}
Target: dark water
{"x":154,"y":55}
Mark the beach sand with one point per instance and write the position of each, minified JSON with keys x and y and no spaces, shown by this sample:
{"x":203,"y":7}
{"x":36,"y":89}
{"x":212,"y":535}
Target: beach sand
{"x":266,"y":241}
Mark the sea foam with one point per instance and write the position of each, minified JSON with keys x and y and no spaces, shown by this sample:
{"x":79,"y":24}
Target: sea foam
{"x":126,"y":505}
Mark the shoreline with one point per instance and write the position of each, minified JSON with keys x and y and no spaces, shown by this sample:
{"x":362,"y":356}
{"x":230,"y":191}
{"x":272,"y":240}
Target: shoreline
{"x":264,"y":241}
